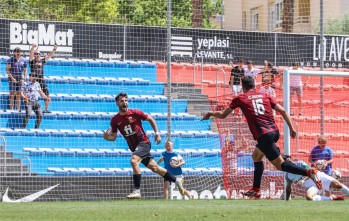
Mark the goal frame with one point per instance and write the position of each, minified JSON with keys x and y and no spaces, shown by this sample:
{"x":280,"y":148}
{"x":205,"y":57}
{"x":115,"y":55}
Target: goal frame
{"x":286,"y":95}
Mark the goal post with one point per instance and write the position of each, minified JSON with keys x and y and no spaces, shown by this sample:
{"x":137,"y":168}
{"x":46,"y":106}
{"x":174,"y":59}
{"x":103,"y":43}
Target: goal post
{"x":286,"y":95}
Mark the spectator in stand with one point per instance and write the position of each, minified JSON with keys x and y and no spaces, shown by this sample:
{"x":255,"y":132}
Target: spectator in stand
{"x":269,"y":73}
{"x":30,"y":93}
{"x":16,"y":65}
{"x":251,"y":71}
{"x":236,"y":74}
{"x":296,"y":86}
{"x":37,"y":66}
{"x":324,"y":153}
{"x":173,"y":166}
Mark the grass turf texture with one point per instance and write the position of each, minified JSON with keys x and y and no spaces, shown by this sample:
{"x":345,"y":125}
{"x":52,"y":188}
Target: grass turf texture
{"x":144,"y":210}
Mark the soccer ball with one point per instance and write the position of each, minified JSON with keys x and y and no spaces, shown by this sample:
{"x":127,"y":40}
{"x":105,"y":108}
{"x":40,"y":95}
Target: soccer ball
{"x":336,"y":174}
{"x":320,"y":164}
{"x":174,"y":160}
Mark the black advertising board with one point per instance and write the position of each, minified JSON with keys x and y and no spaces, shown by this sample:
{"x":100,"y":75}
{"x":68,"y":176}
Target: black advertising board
{"x":119,"y":42}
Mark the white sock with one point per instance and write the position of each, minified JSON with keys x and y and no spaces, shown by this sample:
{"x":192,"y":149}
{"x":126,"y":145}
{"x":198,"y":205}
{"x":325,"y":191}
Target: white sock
{"x":321,"y":198}
{"x":345,"y":190}
{"x":325,"y":198}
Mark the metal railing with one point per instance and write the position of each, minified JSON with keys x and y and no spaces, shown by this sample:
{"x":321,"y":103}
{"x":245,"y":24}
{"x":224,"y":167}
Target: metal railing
{"x":220,"y":70}
{"x":4,"y":151}
{"x":25,"y":158}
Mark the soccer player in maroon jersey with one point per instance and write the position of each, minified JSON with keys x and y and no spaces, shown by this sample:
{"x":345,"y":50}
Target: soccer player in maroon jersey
{"x":257,"y":108}
{"x":129,"y":123}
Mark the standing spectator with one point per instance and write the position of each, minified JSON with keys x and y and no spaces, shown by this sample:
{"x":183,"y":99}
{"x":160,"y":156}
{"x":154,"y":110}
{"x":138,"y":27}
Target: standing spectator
{"x":296,"y":86}
{"x":269,"y":73}
{"x":37,"y":66}
{"x":30,"y":93}
{"x":257,"y":108}
{"x":129,"y":123}
{"x":322,"y":152}
{"x":174,"y":167}
{"x":16,"y":65}
{"x":251,"y":71}
{"x":236,"y":74}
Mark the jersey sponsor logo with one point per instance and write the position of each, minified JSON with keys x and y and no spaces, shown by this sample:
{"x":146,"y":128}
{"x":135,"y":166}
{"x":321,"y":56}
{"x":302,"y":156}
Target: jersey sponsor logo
{"x":29,"y":198}
{"x":45,"y":36}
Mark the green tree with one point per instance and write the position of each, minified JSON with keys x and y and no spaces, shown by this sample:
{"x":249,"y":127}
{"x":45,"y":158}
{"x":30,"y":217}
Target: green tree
{"x":336,"y":26}
{"x":136,"y":12}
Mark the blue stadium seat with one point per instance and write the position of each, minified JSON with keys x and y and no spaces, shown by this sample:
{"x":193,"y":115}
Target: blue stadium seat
{"x":216,"y":170}
{"x":121,"y":172}
{"x":64,"y":152}
{"x":74,"y":171}
{"x":86,"y":80}
{"x":58,"y":171}
{"x":80,"y":152}
{"x":49,"y":151}
{"x":105,"y":172}
{"x":123,"y":152}
{"x":95,"y":152}
{"x":110,"y":152}
{"x":90,"y":171}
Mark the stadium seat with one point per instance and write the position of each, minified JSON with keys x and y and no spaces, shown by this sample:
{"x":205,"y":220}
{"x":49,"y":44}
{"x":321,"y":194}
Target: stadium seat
{"x":105,"y":172}
{"x":74,"y":171}
{"x":95,"y":152}
{"x":89,"y":171}
{"x":79,"y":152}
{"x":49,"y":151}
{"x":110,"y":152}
{"x":58,"y":171}
{"x":64,"y":152}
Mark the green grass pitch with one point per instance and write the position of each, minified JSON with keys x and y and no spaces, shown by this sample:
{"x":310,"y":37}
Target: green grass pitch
{"x":143,"y":210}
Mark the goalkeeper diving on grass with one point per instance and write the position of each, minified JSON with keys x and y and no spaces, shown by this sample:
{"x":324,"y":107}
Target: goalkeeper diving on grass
{"x":258,"y":110}
{"x":313,"y":192}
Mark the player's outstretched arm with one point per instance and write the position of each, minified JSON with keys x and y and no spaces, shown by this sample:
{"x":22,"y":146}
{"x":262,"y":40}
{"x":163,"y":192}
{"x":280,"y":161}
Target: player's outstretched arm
{"x":155,"y":128}
{"x":218,"y":114}
{"x":109,"y":135}
{"x":287,"y":118}
{"x":160,"y":160}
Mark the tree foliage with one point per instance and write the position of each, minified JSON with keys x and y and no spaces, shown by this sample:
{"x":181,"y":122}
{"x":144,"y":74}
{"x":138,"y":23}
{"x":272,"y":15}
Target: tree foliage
{"x":336,"y":26}
{"x":136,"y":12}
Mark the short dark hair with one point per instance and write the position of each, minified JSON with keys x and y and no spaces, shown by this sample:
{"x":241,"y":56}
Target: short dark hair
{"x":241,"y":60}
{"x":270,"y":64}
{"x":248,"y":82}
{"x":249,"y":62}
{"x":295,"y":64}
{"x":32,"y":74}
{"x":122,"y":94}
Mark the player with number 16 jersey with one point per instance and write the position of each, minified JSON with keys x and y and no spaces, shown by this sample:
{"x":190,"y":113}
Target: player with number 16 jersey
{"x":258,"y":110}
{"x":130,"y":126}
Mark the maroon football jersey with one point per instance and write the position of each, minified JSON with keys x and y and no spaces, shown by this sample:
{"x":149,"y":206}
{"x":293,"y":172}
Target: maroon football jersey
{"x":130,"y":126}
{"x":258,"y":110}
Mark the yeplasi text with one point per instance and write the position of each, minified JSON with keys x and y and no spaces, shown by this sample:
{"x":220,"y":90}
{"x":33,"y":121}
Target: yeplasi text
{"x":213,"y":43}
